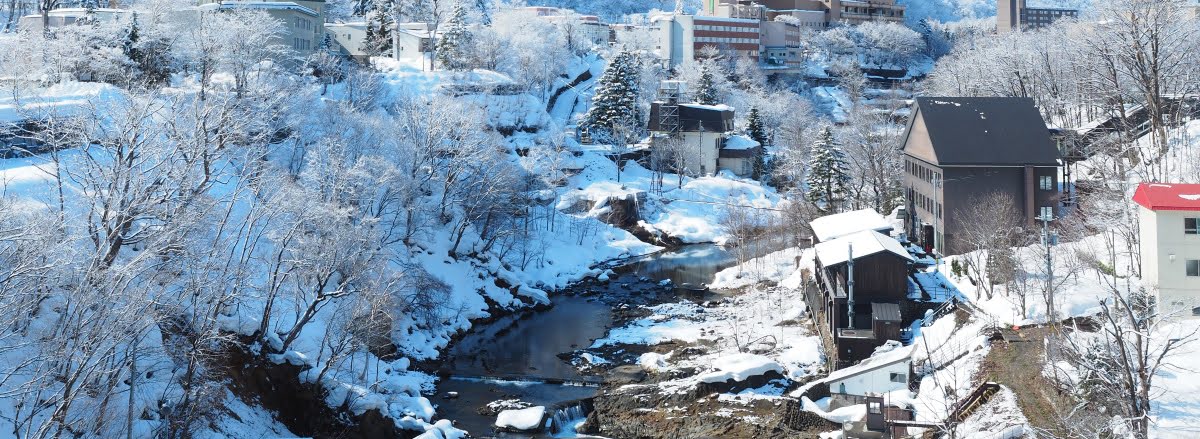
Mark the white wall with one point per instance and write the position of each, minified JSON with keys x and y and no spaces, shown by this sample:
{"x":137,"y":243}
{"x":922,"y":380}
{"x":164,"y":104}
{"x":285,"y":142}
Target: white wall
{"x":874,"y":382}
{"x":348,"y":37}
{"x":1165,"y":250}
{"x":701,"y":150}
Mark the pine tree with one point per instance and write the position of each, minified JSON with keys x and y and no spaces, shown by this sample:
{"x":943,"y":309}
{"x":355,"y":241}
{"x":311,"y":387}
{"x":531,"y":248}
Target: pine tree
{"x":452,"y":48}
{"x":706,"y":92}
{"x":830,"y":173}
{"x":130,"y":45}
{"x":615,"y":104}
{"x":755,"y":130}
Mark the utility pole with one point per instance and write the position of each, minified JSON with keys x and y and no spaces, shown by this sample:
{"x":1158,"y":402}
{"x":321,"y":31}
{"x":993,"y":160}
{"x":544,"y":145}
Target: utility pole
{"x":850,"y":286}
{"x":937,"y":216}
{"x":1049,"y":239}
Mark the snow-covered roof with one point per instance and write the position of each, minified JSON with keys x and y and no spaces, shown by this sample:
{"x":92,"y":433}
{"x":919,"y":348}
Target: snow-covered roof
{"x":718,"y":107}
{"x":865,"y":243}
{"x":77,"y":12}
{"x":833,"y":226}
{"x":1162,"y":196}
{"x":244,"y":4}
{"x":740,"y":142}
{"x":882,"y":359}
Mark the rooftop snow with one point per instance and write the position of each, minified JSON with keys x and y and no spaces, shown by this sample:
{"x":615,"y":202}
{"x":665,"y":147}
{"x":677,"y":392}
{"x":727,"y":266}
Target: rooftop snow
{"x":880,"y":359}
{"x":864,"y":243}
{"x":740,"y":142}
{"x":241,"y":4}
{"x":834,"y":226}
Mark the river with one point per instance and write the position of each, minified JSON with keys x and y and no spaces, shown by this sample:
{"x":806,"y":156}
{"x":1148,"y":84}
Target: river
{"x":517,"y":356}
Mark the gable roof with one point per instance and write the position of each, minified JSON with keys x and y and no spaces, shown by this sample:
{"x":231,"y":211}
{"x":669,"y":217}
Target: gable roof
{"x":835,"y":226}
{"x":713,"y":118}
{"x":872,"y":363}
{"x":865,"y":243}
{"x":1161,"y":196}
{"x":989,"y":131}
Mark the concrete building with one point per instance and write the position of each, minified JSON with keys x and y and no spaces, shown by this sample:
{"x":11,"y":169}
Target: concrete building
{"x":878,"y":375}
{"x":348,"y":38}
{"x":781,"y":48}
{"x":1014,"y":15}
{"x":1170,"y":240}
{"x":683,"y":36}
{"x":701,"y":134}
{"x":810,"y":13}
{"x":66,"y":17}
{"x":413,"y":41}
{"x":959,"y":151}
{"x":303,"y":20}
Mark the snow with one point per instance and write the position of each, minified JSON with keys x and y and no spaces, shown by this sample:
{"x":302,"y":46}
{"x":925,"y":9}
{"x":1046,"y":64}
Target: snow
{"x":999,"y":417}
{"x":842,"y":415}
{"x":740,"y":142}
{"x":863,"y":244}
{"x":58,"y":100}
{"x":1190,"y":197}
{"x":717,"y":107}
{"x":887,"y":354}
{"x":842,"y":224}
{"x":782,"y":267}
{"x":653,"y":362}
{"x":522,"y":420}
{"x":740,"y":367}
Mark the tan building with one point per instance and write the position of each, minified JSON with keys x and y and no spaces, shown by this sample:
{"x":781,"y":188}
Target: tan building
{"x":303,"y":20}
{"x":1170,"y":241}
{"x":781,"y":45}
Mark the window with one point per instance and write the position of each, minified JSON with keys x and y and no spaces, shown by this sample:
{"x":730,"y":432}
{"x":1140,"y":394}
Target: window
{"x":1047,"y":213}
{"x":899,"y":378}
{"x":875,"y":407}
{"x":1193,"y":267}
{"x":1191,"y":226}
{"x":1046,"y":182}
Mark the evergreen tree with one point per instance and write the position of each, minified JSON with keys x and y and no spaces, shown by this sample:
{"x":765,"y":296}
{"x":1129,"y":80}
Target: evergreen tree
{"x":706,"y":92}
{"x":829,"y":174}
{"x":378,"y":41}
{"x":614,"y":105}
{"x":453,"y":47}
{"x":755,"y":130}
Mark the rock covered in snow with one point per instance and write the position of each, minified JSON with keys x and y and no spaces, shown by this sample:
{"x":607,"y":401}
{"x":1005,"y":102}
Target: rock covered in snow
{"x":525,"y":419}
{"x":740,"y":367}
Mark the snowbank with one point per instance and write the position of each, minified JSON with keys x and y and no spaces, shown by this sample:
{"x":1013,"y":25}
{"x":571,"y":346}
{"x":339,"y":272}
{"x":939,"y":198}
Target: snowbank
{"x":740,"y":367}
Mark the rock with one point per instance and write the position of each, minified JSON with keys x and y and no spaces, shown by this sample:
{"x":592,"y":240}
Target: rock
{"x":628,"y":374}
{"x":526,"y":419}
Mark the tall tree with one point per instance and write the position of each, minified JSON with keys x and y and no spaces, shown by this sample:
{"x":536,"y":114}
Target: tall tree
{"x":614,"y":107}
{"x":829,"y":174}
{"x":454,"y":46}
{"x":706,"y":91}
{"x":756,"y":131}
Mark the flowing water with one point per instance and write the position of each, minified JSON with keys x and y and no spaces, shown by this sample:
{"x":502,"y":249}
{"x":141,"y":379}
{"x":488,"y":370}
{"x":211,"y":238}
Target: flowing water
{"x":517,"y":356}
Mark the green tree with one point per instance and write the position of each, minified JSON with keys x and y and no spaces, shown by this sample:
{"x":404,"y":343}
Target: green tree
{"x":829,"y":173}
{"x":756,"y":131}
{"x":614,"y":106}
{"x":706,"y":92}
{"x":453,"y":47}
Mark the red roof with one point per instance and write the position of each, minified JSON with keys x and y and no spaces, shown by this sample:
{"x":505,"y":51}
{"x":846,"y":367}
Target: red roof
{"x":1163,"y":196}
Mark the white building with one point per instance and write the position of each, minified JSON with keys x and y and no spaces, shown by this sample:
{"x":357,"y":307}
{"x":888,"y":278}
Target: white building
{"x":348,"y":38}
{"x":67,"y":16}
{"x":878,"y":375}
{"x":1170,"y":239}
{"x":413,"y":41}
{"x":683,"y":36}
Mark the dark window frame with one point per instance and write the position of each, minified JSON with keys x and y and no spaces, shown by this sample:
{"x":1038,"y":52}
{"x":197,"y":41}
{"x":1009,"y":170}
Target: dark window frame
{"x":1193,"y":228}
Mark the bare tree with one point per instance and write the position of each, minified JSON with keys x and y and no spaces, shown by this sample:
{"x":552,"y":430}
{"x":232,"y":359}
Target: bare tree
{"x":988,"y":225}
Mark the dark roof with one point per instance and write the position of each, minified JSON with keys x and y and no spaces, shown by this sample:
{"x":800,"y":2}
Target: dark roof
{"x":986,"y":131}
{"x":693,"y":116}
{"x":888,"y":312}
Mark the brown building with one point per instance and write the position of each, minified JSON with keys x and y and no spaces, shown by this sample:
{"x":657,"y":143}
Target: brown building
{"x":683,"y":36}
{"x":959,"y":151}
{"x":1015,"y":15}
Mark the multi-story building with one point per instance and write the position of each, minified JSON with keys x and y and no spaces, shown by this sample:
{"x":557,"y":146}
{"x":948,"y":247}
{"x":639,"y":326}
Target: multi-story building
{"x":587,"y":27}
{"x":303,"y":20}
{"x":959,"y":152}
{"x":683,"y":36}
{"x":810,"y":13}
{"x":781,"y":45}
{"x":1170,"y":239}
{"x":67,"y":16}
{"x":1016,"y":15}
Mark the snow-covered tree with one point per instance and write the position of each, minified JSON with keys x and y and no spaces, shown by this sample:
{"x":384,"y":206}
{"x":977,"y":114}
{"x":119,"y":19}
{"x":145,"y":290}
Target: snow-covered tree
{"x":754,"y":129}
{"x":829,"y":173}
{"x":454,"y":46}
{"x":706,"y":92}
{"x":614,"y":106}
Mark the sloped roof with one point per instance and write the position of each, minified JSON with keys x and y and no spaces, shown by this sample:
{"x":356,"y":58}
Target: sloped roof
{"x":987,"y":131}
{"x":1162,"y":196}
{"x":834,"y":226}
{"x":865,"y":243}
{"x":874,"y":362}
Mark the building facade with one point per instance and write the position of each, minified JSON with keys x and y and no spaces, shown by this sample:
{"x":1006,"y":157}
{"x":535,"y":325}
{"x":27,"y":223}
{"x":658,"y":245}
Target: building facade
{"x":1015,"y":15}
{"x":1170,"y":241}
{"x":303,"y":20}
{"x":816,"y":14}
{"x":959,"y":152}
{"x":66,"y":17}
{"x":683,"y":36}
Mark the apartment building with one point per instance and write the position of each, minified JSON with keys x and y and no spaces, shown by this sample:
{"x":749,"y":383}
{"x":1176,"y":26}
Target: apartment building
{"x":1015,"y":15}
{"x":683,"y":36}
